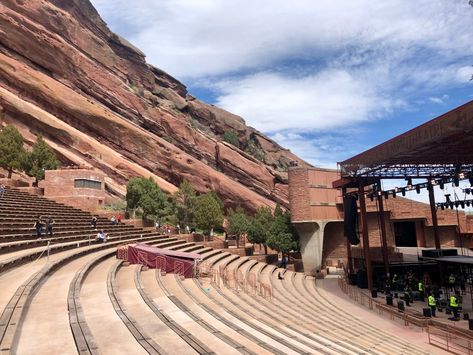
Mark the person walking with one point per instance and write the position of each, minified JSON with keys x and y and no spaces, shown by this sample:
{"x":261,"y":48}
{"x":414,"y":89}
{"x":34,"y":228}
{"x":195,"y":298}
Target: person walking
{"x":38,"y":225}
{"x":93,"y":222}
{"x":283,"y":261}
{"x":432,"y":304}
{"x":49,"y":226}
{"x":454,"y":306}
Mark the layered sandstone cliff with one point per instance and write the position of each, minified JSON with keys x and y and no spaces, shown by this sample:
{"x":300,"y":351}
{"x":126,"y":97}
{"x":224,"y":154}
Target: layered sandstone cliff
{"x":94,"y":98}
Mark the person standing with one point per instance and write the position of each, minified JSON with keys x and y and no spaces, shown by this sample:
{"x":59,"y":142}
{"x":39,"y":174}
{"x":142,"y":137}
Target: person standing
{"x":49,"y":226}
{"x":454,"y":306}
{"x":38,"y":225}
{"x":421,"y":289}
{"x":2,"y":190}
{"x":432,"y":304}
{"x":451,"y":282}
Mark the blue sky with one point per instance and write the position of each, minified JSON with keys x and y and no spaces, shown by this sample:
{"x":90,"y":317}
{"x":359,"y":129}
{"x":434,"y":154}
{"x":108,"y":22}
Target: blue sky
{"x":326,"y":79}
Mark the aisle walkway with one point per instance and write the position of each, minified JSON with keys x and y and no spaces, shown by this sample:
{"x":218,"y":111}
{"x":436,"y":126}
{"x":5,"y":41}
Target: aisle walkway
{"x":329,"y":288}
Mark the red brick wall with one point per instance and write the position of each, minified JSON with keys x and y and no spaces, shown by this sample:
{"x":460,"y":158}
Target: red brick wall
{"x":59,"y":185}
{"x":311,"y":195}
{"x":299,"y":194}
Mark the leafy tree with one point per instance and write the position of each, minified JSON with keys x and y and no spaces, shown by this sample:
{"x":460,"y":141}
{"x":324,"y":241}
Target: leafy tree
{"x":283,"y":242}
{"x":261,"y":227}
{"x":41,"y":158}
{"x":208,"y":213}
{"x":185,"y":200}
{"x":231,"y":137}
{"x":145,"y":194}
{"x":238,"y":223}
{"x":217,"y":198}
{"x":283,"y":236}
{"x":12,"y":153}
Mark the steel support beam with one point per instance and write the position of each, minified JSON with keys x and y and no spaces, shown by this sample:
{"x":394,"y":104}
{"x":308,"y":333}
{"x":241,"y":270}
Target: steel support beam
{"x":366,"y":241}
{"x":433,"y":210}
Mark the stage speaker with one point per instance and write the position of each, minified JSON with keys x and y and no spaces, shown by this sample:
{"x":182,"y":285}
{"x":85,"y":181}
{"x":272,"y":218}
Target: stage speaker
{"x":362,"y":281}
{"x":350,"y":219}
{"x":389,"y":300}
{"x":374,"y":293}
{"x":353,"y":279}
{"x":427,"y":312}
{"x":470,"y":324}
{"x":400,"y":305}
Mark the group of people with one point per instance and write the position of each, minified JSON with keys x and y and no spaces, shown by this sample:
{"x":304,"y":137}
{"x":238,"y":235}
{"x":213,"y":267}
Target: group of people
{"x":40,"y":222}
{"x":408,"y":282}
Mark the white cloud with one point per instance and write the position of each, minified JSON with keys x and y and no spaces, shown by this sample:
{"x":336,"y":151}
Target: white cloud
{"x":296,"y":67}
{"x":465,"y":74}
{"x":439,"y":100}
{"x":194,"y":38}
{"x":273,"y":102}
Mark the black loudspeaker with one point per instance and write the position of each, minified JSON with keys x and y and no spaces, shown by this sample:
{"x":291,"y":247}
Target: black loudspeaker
{"x":470,"y":324}
{"x":400,"y":305}
{"x":389,"y":300}
{"x":374,"y":293}
{"x":362,"y":281}
{"x":353,"y":279}
{"x":350,"y":219}
{"x":427,"y":312}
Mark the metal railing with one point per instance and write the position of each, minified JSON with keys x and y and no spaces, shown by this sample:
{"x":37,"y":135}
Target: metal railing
{"x":238,"y":281}
{"x":393,"y":313}
{"x":450,"y":341}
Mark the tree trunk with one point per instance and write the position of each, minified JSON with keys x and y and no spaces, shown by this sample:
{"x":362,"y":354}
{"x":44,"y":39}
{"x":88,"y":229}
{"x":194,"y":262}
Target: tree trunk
{"x":265,"y":249}
{"x":10,"y":171}
{"x":238,"y":240}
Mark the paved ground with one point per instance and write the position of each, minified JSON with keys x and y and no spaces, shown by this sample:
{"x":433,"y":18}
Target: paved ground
{"x":412,"y":333}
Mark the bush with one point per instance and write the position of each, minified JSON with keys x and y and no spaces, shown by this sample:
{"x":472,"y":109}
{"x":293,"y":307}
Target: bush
{"x":232,"y":138}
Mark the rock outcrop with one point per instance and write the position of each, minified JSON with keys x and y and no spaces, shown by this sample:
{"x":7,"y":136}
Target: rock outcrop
{"x":94,"y":98}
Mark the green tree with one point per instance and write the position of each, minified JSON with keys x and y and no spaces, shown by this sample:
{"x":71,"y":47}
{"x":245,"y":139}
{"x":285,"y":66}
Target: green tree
{"x":231,"y":137}
{"x":238,"y":223}
{"x":41,"y":158}
{"x":282,"y":236}
{"x":12,"y":153}
{"x":260,"y":227}
{"x":185,"y":200}
{"x":208,"y":213}
{"x":145,"y":194}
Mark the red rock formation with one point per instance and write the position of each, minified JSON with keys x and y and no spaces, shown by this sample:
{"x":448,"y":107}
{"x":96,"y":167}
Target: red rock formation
{"x":92,"y":95}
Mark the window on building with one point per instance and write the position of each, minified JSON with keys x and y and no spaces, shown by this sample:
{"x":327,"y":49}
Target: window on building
{"x":91,"y":184}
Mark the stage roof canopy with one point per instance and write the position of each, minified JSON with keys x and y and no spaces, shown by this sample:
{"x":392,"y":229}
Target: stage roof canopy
{"x":441,"y":147}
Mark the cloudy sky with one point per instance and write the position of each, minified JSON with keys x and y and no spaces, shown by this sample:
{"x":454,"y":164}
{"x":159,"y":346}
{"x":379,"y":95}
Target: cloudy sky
{"x":325,"y":78}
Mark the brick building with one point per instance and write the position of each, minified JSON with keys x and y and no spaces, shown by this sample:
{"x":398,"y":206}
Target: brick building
{"x":81,"y":188}
{"x":317,"y":214}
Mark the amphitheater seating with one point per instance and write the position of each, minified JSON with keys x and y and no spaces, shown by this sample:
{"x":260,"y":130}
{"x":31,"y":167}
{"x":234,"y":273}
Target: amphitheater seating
{"x":81,"y":299}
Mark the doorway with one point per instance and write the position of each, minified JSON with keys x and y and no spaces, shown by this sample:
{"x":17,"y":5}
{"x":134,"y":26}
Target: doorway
{"x":405,"y":234}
